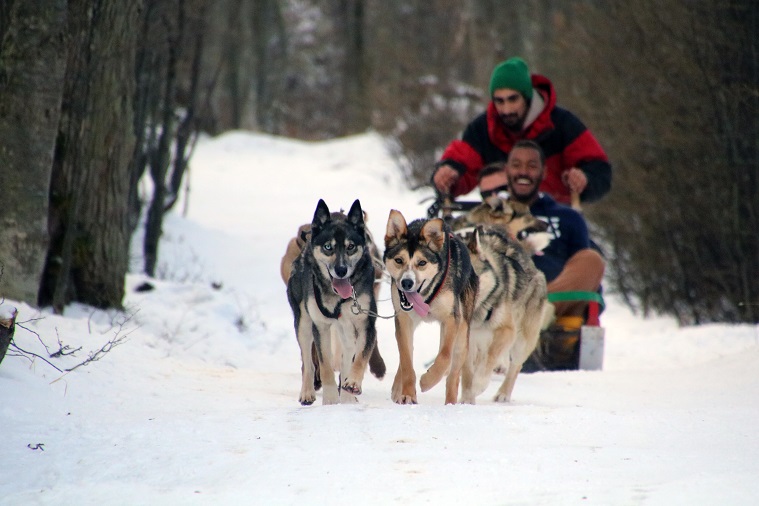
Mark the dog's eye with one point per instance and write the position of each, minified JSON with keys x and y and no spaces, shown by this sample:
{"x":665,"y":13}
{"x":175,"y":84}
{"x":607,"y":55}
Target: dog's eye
{"x":422,"y":263}
{"x":327,"y":246}
{"x":351,"y":247}
{"x":399,"y":260}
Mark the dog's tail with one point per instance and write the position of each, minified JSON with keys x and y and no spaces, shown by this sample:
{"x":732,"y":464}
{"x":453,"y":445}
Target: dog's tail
{"x":377,"y":363}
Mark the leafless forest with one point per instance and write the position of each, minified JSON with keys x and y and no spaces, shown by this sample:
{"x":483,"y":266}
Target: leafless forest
{"x":96,"y":94}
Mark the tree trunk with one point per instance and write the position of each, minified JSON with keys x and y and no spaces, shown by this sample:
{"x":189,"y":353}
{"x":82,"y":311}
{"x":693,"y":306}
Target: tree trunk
{"x":88,"y":257}
{"x":269,"y":54}
{"x":32,"y":65}
{"x":160,"y":156}
{"x":7,"y":327}
{"x":355,"y":74}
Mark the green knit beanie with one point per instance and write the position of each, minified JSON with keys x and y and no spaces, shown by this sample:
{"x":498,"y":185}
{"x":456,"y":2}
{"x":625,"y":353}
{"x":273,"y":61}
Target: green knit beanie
{"x":512,"y":74}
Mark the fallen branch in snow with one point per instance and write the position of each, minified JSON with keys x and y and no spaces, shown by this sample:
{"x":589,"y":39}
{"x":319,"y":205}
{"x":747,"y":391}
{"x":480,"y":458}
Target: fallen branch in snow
{"x":94,"y":356}
{"x":65,"y":350}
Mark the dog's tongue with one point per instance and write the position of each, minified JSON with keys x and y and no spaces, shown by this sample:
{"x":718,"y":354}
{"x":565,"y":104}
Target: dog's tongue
{"x":421,"y":307}
{"x":342,"y":287}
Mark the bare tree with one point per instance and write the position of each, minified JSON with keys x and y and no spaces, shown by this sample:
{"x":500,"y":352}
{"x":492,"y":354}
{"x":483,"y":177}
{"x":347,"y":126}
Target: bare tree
{"x":167,"y":106}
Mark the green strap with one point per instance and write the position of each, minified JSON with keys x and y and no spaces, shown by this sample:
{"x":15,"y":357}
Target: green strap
{"x":575,"y":296}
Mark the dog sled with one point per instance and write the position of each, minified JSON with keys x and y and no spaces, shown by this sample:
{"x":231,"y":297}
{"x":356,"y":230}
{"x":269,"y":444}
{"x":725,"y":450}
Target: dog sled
{"x":569,"y":343}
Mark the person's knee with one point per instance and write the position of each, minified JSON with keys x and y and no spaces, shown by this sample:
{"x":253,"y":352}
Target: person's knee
{"x":591,"y":262}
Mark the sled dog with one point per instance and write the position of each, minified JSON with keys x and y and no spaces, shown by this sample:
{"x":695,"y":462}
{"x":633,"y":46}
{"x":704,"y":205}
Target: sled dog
{"x":512,"y":216}
{"x":432,"y":279}
{"x":508,"y":314}
{"x":333,"y":272}
{"x":294,"y":247}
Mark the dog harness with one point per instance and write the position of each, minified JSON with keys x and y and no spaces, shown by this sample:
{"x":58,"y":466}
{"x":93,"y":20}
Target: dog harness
{"x":336,"y":313}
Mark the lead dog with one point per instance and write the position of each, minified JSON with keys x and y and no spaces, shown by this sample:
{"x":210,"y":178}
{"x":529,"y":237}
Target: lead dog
{"x":294,"y":248}
{"x":509,"y":311}
{"x":334,"y":267}
{"x":432,"y":280}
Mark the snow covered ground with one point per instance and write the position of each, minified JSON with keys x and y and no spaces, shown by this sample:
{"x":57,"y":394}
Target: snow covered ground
{"x":197,"y":402}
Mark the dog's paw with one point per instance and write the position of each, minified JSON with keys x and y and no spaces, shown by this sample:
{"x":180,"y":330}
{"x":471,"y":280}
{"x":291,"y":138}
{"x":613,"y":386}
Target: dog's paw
{"x":405,"y":399}
{"x":467,"y":398}
{"x":307,"y":399}
{"x":351,"y":387}
{"x":330,"y":396}
{"x":428,"y":380}
{"x":502,"y":398}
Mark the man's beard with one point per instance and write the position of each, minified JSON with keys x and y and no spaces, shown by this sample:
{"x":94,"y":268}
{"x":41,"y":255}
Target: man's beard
{"x":524,"y":198}
{"x":512,"y":121}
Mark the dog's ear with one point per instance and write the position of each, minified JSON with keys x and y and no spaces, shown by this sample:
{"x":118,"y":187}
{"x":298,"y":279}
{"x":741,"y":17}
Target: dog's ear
{"x":473,"y":241}
{"x":321,"y":216}
{"x":356,"y":215}
{"x":476,"y":247}
{"x":396,"y":228}
{"x":433,"y":233}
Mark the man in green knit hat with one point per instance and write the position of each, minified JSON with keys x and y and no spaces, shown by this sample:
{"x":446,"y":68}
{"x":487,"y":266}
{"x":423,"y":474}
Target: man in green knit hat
{"x":549,"y":156}
{"x":523,"y":106}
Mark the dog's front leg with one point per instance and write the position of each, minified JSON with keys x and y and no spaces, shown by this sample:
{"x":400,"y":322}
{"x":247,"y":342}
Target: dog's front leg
{"x":467,"y":374}
{"x":503,"y":340}
{"x":362,"y":338}
{"x":449,"y":329}
{"x":460,"y":352}
{"x":404,"y":385}
{"x":345,"y":334}
{"x":322,"y":338}
{"x":304,"y":333}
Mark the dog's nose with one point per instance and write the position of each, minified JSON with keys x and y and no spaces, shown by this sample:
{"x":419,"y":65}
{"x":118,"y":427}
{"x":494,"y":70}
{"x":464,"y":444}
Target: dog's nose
{"x":341,"y":271}
{"x":407,"y":284}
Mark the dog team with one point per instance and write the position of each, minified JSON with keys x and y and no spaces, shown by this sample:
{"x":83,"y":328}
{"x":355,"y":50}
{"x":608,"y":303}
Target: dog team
{"x":478,"y":283}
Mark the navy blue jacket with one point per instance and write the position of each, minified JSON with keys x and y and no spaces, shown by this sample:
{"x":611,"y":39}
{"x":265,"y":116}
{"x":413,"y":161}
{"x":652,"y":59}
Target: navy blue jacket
{"x":569,"y":234}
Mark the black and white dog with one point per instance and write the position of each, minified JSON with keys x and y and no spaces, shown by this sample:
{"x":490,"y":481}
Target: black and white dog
{"x":331,"y":288}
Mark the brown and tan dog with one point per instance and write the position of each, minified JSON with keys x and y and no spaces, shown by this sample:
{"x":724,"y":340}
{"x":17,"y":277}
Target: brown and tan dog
{"x":432,"y":279}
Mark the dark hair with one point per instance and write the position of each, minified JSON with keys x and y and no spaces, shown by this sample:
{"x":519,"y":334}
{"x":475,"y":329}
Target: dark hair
{"x":491,"y":168}
{"x":529,"y":144}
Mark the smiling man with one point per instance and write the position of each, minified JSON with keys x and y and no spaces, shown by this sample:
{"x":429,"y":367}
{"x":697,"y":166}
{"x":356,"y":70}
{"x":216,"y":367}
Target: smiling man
{"x":569,"y":262}
{"x":523,"y":106}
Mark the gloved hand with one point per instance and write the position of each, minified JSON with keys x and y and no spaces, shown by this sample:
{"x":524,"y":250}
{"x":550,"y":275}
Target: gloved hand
{"x":444,"y":178}
{"x":575,"y":179}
